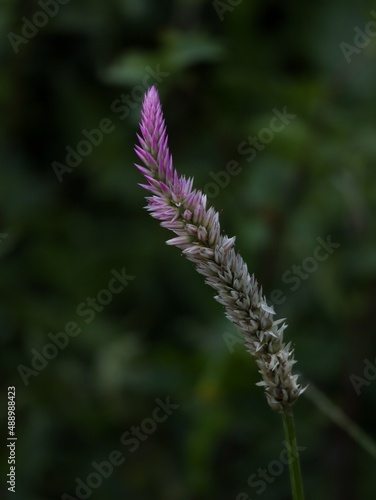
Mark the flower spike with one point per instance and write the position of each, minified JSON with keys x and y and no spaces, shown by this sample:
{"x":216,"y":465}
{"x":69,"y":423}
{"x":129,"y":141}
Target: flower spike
{"x":182,"y":210}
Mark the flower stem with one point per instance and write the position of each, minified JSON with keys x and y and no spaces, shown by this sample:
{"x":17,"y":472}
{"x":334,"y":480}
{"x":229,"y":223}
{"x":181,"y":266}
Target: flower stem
{"x":294,"y":464}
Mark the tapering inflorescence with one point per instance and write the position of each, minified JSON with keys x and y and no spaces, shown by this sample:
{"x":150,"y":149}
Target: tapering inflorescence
{"x":182,"y":210}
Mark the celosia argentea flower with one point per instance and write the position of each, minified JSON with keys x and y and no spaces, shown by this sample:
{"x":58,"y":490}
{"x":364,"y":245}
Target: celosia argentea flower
{"x":183,"y":211}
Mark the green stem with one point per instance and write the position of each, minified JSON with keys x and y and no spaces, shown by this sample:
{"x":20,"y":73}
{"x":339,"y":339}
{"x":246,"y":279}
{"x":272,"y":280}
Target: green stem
{"x":294,"y":464}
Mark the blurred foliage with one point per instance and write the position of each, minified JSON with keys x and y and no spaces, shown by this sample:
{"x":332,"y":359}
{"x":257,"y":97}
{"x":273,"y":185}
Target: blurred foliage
{"x":163,"y":335}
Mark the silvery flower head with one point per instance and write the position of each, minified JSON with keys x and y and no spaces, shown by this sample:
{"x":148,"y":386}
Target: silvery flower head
{"x":197,"y":232}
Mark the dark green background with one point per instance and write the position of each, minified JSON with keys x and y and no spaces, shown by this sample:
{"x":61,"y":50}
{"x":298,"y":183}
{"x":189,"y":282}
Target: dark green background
{"x":164,"y":335}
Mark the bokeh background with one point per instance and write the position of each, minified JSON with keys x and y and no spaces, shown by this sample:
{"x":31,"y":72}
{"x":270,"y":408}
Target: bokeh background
{"x":222,"y":68}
